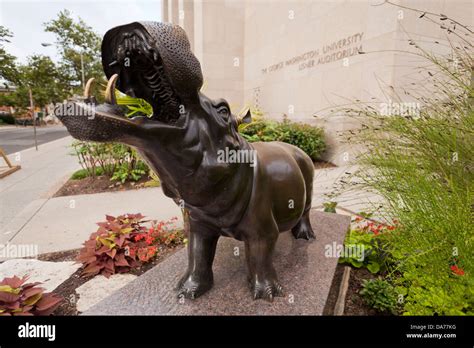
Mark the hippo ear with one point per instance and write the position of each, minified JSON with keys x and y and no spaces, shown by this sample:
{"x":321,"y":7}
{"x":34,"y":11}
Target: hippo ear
{"x":245,"y":116}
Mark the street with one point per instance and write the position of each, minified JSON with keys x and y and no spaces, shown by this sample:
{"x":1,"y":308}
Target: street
{"x":20,"y":138}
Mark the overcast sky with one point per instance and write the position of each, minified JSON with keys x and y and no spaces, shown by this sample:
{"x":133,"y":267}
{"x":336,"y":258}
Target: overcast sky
{"x":25,"y":19}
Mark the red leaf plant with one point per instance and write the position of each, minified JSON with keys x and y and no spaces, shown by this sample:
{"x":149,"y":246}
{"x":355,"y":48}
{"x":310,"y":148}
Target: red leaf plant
{"x":122,"y":243}
{"x":20,"y":298}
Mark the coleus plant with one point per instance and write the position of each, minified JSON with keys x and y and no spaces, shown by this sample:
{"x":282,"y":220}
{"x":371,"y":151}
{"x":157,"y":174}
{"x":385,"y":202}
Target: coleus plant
{"x":123,"y":242}
{"x":20,"y":298}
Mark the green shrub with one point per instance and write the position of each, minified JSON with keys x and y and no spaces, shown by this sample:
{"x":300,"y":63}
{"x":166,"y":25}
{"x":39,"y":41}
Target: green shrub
{"x":365,"y":246}
{"x":308,"y":138}
{"x":83,"y":173}
{"x":127,"y":172}
{"x":422,"y":165}
{"x":7,"y":119}
{"x":118,"y":161}
{"x":380,"y":295}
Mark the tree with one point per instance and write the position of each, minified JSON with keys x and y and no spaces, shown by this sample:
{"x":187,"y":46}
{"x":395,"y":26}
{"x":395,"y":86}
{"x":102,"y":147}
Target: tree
{"x":74,"y":37}
{"x":8,"y":67}
{"x":43,"y":77}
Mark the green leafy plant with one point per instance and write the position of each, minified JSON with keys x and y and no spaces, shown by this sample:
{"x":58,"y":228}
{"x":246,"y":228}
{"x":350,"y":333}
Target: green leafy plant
{"x":380,"y":295}
{"x":330,"y":207}
{"x":118,"y":161}
{"x":308,"y":138}
{"x":135,"y":106}
{"x":122,"y":243}
{"x":421,"y":163}
{"x":129,"y":172}
{"x":7,"y":119}
{"x":365,"y":246}
{"x":20,"y":298}
{"x":83,"y":173}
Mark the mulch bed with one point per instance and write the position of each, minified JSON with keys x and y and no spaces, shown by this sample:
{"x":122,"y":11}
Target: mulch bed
{"x":68,"y":287}
{"x":97,"y":184}
{"x":354,"y":304}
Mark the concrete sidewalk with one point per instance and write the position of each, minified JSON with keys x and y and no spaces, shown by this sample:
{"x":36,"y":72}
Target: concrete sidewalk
{"x":64,"y":223}
{"x":42,"y":173}
{"x":327,"y":187}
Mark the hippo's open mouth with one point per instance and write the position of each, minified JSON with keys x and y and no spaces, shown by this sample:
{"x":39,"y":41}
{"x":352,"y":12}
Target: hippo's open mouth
{"x":146,"y":60}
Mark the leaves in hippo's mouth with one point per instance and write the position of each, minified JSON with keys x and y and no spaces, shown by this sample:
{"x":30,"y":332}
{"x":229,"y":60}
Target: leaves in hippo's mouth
{"x":146,"y":78}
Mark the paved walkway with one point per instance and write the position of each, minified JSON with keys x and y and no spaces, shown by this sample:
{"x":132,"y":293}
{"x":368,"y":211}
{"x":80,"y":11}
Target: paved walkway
{"x":329,"y":185}
{"x":64,"y":223}
{"x":41,"y":173}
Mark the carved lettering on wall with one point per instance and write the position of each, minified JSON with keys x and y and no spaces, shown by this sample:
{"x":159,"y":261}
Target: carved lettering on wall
{"x":334,"y":51}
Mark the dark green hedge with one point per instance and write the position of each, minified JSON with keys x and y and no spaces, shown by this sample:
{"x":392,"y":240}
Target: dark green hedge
{"x":308,"y":138}
{"x":7,"y":118}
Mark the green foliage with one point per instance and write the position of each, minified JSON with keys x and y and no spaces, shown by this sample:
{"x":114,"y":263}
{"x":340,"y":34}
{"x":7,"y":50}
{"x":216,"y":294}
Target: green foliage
{"x":8,"y":67}
{"x":7,"y":119}
{"x":440,"y":293}
{"x":136,"y":106}
{"x":83,"y":173}
{"x":20,"y":298}
{"x":43,"y":77}
{"x":330,"y":207}
{"x":73,"y":37}
{"x":422,"y":164}
{"x":118,"y":161}
{"x":128,"y":172}
{"x":308,"y":138}
{"x":365,"y":246}
{"x":379,"y":294}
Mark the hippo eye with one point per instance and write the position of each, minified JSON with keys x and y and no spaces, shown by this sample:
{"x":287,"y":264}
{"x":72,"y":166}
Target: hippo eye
{"x":223,"y":110}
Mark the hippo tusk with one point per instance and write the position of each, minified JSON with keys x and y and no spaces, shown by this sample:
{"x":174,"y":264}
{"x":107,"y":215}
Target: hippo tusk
{"x":110,"y":90}
{"x":87,"y":89}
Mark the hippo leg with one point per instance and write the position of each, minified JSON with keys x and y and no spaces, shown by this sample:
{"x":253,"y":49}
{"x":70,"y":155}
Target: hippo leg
{"x":201,"y":250}
{"x":262,"y":277}
{"x":303,"y":228}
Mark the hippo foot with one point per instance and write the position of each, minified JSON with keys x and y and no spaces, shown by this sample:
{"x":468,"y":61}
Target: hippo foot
{"x":192,"y":286}
{"x":303,"y":230}
{"x":266,"y":289}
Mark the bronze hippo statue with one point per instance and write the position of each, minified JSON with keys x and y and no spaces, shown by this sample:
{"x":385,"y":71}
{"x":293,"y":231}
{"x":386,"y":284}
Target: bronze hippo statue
{"x":183,"y":142}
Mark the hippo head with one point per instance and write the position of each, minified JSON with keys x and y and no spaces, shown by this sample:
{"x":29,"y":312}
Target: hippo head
{"x":152,"y":61}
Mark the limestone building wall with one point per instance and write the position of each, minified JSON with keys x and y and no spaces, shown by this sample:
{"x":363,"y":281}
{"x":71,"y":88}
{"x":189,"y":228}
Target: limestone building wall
{"x":300,"y":57}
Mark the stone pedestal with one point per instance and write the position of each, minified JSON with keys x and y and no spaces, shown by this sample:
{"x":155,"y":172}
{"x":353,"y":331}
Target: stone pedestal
{"x":304,"y":269}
